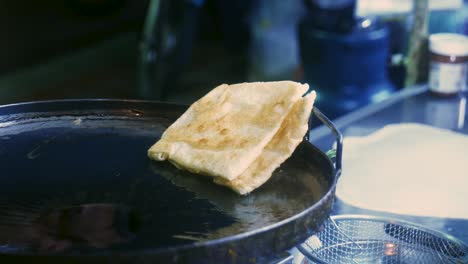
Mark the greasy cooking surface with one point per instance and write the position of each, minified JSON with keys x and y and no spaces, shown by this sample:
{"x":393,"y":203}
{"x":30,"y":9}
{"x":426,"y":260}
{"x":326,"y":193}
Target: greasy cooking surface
{"x":81,"y":181}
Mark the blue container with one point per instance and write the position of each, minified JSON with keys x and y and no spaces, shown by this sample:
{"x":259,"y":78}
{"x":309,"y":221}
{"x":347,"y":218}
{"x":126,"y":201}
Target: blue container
{"x":348,"y":70}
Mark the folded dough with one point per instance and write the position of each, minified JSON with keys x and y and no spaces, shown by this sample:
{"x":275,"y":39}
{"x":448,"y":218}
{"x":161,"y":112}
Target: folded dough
{"x":238,"y":134}
{"x":281,"y":146}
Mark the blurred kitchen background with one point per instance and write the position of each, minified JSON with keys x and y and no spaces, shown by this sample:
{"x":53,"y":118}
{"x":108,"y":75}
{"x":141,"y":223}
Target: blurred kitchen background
{"x":352,"y":52}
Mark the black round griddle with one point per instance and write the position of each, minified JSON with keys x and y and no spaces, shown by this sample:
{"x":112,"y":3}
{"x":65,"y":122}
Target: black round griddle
{"x":76,"y":186}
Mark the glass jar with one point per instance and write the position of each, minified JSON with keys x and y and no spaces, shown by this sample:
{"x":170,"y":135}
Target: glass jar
{"x":448,"y":63}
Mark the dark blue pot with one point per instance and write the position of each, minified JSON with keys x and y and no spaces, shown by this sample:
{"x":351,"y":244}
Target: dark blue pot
{"x":348,"y":70}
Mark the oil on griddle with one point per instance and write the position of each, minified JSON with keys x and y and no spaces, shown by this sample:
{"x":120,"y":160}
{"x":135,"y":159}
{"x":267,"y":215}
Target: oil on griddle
{"x":88,"y":170}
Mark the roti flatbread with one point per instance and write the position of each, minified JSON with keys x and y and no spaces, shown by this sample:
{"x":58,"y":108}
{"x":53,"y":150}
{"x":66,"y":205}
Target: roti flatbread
{"x":282,"y":145}
{"x":226,"y":131}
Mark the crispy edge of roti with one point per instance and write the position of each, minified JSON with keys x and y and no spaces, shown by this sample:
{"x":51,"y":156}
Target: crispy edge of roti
{"x":230,"y":160}
{"x":280,"y":148}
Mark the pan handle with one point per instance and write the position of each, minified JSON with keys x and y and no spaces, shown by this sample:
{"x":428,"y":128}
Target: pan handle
{"x":338,"y":138}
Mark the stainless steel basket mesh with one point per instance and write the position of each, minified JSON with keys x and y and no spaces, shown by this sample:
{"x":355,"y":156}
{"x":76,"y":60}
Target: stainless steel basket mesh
{"x":366,"y":239}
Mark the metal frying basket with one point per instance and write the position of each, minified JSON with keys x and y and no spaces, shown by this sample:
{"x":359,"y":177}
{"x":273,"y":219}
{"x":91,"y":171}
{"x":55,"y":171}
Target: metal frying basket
{"x":367,"y":239}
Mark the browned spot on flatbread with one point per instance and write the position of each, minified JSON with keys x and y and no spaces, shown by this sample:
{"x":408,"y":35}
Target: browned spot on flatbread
{"x":225,"y":142}
{"x":202,"y":141}
{"x":280,"y":104}
{"x":224,"y":131}
{"x":261,"y":164}
{"x":200,"y":128}
{"x":221,"y":120}
{"x":270,"y":114}
{"x":243,"y":143}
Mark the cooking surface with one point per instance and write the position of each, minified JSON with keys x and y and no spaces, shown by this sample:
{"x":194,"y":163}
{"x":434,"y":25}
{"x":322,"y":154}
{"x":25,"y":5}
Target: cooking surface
{"x":411,"y":106}
{"x":82,"y":180}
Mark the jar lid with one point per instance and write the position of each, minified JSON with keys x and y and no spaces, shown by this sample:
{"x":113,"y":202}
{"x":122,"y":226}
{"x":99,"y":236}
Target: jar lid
{"x":449,"y":44}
